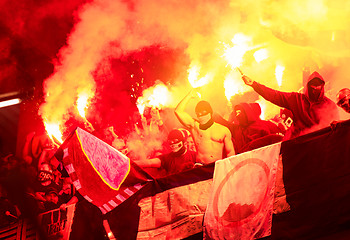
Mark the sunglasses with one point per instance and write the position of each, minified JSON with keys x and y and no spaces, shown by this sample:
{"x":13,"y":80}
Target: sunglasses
{"x":343,"y":101}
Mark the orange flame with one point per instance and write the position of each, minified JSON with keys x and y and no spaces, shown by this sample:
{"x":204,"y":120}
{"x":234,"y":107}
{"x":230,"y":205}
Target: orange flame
{"x":53,"y":130}
{"x":82,"y":103}
{"x":154,"y":97}
{"x":193,"y":77}
{"x":232,"y":86}
{"x":234,"y":55}
{"x":279,"y":74}
{"x":140,"y":106}
{"x":261,"y":55}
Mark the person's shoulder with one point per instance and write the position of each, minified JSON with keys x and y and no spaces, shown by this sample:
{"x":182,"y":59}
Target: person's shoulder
{"x":219,"y":127}
{"x":329,"y":101}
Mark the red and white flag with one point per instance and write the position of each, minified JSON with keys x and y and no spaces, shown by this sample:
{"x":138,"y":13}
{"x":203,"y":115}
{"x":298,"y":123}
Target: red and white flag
{"x":102,"y":175}
{"x":241,"y":201}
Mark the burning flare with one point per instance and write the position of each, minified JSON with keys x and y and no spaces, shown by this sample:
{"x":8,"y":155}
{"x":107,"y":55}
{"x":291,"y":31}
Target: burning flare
{"x":158,"y":97}
{"x":261,"y":55}
{"x":279,"y":74}
{"x":53,"y":130}
{"x":234,"y":55}
{"x":193,"y":77}
{"x":82,"y":103}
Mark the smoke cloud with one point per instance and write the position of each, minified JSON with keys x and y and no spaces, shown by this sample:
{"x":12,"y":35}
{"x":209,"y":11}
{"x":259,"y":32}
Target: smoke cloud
{"x":117,"y":49}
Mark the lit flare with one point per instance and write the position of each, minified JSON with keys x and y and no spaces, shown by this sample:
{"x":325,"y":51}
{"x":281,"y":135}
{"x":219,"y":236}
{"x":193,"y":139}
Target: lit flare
{"x":279,"y":74}
{"x":195,"y":80}
{"x":53,"y":130}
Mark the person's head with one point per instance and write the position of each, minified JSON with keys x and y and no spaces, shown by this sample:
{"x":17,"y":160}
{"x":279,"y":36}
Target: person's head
{"x":343,"y":99}
{"x":247,"y":113}
{"x":204,"y":112}
{"x":315,"y":86}
{"x":52,"y":196}
{"x":241,"y":115}
{"x":189,"y":143}
{"x":176,"y":140}
{"x":66,"y":186}
{"x":45,"y":175}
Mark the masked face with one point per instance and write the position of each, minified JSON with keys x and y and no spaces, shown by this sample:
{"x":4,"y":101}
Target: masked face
{"x":315,"y":91}
{"x":203,"y":117}
{"x":241,"y":117}
{"x":44,"y":176}
{"x":175,"y":145}
{"x":344,"y":103}
{"x":45,"y":173}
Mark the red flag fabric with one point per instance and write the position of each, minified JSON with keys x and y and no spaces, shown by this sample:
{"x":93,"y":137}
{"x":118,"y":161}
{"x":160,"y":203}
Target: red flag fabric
{"x":316,"y":180}
{"x":102,"y":175}
{"x":242,"y":196}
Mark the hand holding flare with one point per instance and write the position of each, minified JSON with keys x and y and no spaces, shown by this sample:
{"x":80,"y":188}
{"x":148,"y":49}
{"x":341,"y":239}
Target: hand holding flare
{"x":248,"y":81}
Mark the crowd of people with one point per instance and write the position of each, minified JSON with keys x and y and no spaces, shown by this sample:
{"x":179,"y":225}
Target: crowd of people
{"x":36,"y":181}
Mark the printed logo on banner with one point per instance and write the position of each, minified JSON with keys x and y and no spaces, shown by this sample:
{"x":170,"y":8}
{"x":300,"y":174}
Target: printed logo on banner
{"x":54,"y":221}
{"x":57,"y":223}
{"x":241,"y":203}
{"x":235,"y":213}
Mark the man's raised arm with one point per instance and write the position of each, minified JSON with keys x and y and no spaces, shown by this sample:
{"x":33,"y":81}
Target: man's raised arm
{"x":278,"y":98}
{"x":185,"y":119}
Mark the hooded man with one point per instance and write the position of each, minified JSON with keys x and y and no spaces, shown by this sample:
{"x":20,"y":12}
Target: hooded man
{"x":311,"y":110}
{"x":212,"y":140}
{"x":178,"y":160}
{"x":248,"y":126}
{"x":343,"y":99}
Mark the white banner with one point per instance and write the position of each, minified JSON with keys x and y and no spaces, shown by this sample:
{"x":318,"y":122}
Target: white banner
{"x":241,"y":201}
{"x":57,"y":223}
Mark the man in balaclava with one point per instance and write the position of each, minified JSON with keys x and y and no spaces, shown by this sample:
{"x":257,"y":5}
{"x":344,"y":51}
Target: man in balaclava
{"x":343,"y":99}
{"x":178,"y":160}
{"x":248,"y":127}
{"x":204,"y":114}
{"x":311,"y":110}
{"x":213,"y":141}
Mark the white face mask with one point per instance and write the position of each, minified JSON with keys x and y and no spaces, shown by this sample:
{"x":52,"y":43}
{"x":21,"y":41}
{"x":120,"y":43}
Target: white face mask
{"x":175,"y":147}
{"x":204,"y":119}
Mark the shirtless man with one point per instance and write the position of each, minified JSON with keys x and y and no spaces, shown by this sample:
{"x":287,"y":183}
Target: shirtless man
{"x":211,"y":139}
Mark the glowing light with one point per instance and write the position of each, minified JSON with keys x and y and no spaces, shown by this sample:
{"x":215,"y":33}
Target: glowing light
{"x":268,"y":109}
{"x":193,"y":77}
{"x":140,"y":106}
{"x":53,"y":130}
{"x":234,"y":55}
{"x":155,"y":97}
{"x":262,"y":104}
{"x":233,"y":85}
{"x":333,"y":36}
{"x":110,"y":235}
{"x":159,"y":97}
{"x":231,"y":88}
{"x":82,"y":103}
{"x":9,"y":102}
{"x":261,"y":55}
{"x":279,"y":74}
